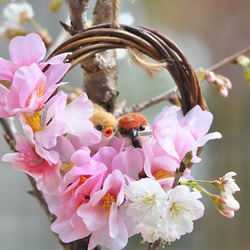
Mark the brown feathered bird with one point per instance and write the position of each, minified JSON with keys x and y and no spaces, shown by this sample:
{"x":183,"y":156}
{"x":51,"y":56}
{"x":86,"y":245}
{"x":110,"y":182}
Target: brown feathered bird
{"x":133,"y":126}
{"x":104,"y":122}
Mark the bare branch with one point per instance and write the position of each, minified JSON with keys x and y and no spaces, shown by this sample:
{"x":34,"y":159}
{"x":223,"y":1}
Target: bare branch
{"x":228,"y":60}
{"x":78,"y":16}
{"x":10,"y":130}
{"x":9,"y":127}
{"x":170,"y":95}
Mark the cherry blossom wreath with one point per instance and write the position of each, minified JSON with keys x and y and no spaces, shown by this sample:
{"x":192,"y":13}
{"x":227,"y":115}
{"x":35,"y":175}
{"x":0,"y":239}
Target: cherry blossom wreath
{"x":107,"y":178}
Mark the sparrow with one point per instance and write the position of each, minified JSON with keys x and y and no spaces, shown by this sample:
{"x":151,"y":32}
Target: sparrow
{"x":104,"y":122}
{"x":133,"y":126}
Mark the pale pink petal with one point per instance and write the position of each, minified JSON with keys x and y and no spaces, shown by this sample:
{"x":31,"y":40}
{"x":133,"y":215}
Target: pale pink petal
{"x":197,"y":121}
{"x":106,"y":155}
{"x":113,"y":235}
{"x":54,"y":74}
{"x":80,"y":113}
{"x":70,"y":229}
{"x":7,"y":69}
{"x":59,"y":59}
{"x":129,"y":162}
{"x":23,"y":90}
{"x":94,"y":216}
{"x":27,"y":50}
{"x":3,"y":92}
{"x":215,"y":135}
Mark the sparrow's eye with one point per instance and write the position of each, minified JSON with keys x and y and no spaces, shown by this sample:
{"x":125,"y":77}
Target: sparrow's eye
{"x":123,"y":131}
{"x":141,"y":128}
{"x":99,"y":127}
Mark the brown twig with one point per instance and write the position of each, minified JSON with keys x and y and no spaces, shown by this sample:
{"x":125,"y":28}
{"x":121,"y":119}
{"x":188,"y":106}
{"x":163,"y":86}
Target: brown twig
{"x":228,"y":60}
{"x":166,"y":96}
{"x":78,"y":16}
{"x":10,"y":130}
{"x":76,"y":245}
{"x":172,"y":93}
{"x":178,"y":174}
{"x":39,"y":196}
{"x":9,"y":127}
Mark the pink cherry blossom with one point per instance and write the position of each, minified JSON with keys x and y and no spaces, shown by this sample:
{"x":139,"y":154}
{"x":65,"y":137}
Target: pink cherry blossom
{"x":79,"y":126}
{"x":24,"y":51}
{"x":27,"y":160}
{"x":129,"y":162}
{"x":178,"y":134}
{"x":101,"y":214}
{"x":161,"y":166}
{"x":76,"y":189}
{"x":106,"y":155}
{"x":30,"y":89}
{"x":32,"y":84}
{"x":43,"y":128}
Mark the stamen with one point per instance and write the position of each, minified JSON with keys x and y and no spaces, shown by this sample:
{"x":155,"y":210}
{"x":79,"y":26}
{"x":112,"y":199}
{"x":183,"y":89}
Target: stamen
{"x":108,"y":199}
{"x":33,"y":119}
{"x":67,"y":166}
{"x":39,"y":92}
{"x":82,"y":180}
{"x":162,"y":174}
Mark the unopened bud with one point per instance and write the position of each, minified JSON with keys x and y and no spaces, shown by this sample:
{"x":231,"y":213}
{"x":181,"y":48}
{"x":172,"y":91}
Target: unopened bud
{"x":243,"y":60}
{"x":55,"y":5}
{"x":226,"y":204}
{"x":200,"y":72}
{"x":187,"y":158}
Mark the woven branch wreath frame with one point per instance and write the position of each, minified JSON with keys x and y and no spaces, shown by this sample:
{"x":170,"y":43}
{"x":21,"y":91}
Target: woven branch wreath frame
{"x":149,"y":42}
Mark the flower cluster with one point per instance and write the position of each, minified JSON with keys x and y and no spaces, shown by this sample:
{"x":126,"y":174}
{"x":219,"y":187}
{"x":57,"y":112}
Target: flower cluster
{"x":112,"y":191}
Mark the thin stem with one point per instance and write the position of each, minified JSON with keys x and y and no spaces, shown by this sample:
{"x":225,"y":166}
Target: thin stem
{"x":10,"y":130}
{"x":197,"y":181}
{"x":178,"y":174}
{"x":203,"y":190}
{"x":172,"y":93}
{"x":166,"y":96}
{"x":192,"y":184}
{"x":229,"y":60}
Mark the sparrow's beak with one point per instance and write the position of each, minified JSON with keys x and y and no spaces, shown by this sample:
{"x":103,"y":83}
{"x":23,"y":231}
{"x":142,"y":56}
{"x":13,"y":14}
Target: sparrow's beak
{"x":108,"y":131}
{"x":134,"y":133}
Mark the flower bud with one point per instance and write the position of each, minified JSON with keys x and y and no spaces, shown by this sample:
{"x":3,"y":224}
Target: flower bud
{"x":226,"y":204}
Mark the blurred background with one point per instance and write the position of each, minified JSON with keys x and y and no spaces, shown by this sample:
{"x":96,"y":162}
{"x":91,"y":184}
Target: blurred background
{"x":207,"y":32}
